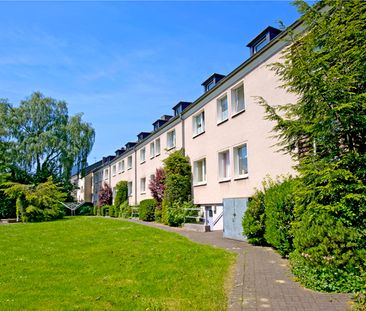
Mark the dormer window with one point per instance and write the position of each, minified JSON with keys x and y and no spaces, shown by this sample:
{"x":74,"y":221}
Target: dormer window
{"x":178,"y":108}
{"x":212,"y":81}
{"x":260,"y":44}
{"x":260,"y":41}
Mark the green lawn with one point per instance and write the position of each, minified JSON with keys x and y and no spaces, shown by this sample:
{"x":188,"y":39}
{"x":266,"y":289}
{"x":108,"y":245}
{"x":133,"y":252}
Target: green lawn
{"x":89,"y":263}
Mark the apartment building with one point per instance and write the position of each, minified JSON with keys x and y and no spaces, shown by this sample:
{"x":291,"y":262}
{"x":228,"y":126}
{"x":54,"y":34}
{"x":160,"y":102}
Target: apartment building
{"x":224,"y":133}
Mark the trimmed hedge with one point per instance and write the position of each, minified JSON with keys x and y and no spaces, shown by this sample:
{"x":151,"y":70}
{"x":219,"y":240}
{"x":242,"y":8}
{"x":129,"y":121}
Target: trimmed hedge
{"x":279,"y":202}
{"x":254,"y":219}
{"x":147,"y":210}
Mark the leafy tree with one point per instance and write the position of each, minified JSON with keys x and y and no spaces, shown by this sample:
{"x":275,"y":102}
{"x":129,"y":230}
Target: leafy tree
{"x":157,"y":185}
{"x":326,"y":68}
{"x":122,"y":193}
{"x":105,"y":195}
{"x":37,"y":202}
{"x":178,"y":178}
{"x":325,"y":130}
{"x":39,"y":139}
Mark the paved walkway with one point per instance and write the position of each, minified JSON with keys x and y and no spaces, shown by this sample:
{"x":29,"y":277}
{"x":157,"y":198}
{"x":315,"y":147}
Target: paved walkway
{"x":262,"y":278}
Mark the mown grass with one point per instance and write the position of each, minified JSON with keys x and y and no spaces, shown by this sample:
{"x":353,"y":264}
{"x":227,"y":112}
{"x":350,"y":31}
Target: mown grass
{"x":89,"y":263}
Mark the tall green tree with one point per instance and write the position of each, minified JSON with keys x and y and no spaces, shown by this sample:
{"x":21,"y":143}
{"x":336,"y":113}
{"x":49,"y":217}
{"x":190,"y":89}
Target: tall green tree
{"x":325,"y":66}
{"x":40,"y":139}
{"x":325,"y":130}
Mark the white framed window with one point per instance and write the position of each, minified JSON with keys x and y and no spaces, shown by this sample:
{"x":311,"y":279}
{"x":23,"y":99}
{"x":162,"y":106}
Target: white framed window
{"x":199,"y":172}
{"x":114,"y":170}
{"x":129,"y":188}
{"x":241,"y":161}
{"x":152,"y":176}
{"x":224,"y":165}
{"x":237,"y":99}
{"x":120,"y":167}
{"x":152,"y":150}
{"x":157,"y":147}
{"x":106,"y":174}
{"x":143,"y":185}
{"x":123,"y":166}
{"x":170,"y":138}
{"x":222,"y":109}
{"x":129,"y":162}
{"x":198,"y":123}
{"x":143,"y":155}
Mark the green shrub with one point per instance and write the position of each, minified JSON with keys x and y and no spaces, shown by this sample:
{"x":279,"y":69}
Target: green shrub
{"x":125,"y":210}
{"x":86,"y":209}
{"x":164,"y":211}
{"x":359,"y":303}
{"x":330,"y":229}
{"x":176,"y":214}
{"x":147,"y":210}
{"x":279,"y":201}
{"x":158,"y":214}
{"x":105,"y":210}
{"x":7,"y":206}
{"x":177,"y":178}
{"x":112,"y":211}
{"x":254,"y":219}
{"x":121,"y":193}
{"x":37,"y":203}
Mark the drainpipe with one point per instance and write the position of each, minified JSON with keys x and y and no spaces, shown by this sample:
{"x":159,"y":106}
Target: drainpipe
{"x":135,"y":151}
{"x":183,"y":135}
{"x":184,"y":153}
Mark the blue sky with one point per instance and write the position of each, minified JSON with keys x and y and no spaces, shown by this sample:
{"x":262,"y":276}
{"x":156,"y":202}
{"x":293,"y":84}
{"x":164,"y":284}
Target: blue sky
{"x":124,"y":64}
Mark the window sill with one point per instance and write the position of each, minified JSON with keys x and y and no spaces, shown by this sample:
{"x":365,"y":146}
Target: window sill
{"x":246,"y":176}
{"x":142,"y":162}
{"x":130,"y":168}
{"x":199,"y":184}
{"x":222,"y":121}
{"x":143,"y":193}
{"x":238,"y":113}
{"x":157,"y":154}
{"x":170,"y":148}
{"x":198,"y":134}
{"x":152,"y":157}
{"x":224,"y":180}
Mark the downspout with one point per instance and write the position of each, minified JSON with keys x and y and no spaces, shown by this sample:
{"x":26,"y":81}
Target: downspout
{"x":184,"y":153}
{"x":134,"y":148}
{"x":183,"y":135}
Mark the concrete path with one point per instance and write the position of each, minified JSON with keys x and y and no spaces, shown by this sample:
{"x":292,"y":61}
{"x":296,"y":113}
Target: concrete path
{"x":263,"y":280}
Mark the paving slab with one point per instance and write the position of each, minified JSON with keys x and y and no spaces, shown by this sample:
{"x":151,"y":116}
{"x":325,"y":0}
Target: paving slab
{"x":262,"y":279}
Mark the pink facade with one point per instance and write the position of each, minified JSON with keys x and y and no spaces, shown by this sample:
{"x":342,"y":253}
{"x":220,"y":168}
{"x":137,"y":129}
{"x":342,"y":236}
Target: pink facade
{"x":224,"y":134}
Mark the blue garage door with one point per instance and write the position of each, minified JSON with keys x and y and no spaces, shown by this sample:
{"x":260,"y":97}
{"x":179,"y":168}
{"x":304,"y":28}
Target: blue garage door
{"x":233,"y":215}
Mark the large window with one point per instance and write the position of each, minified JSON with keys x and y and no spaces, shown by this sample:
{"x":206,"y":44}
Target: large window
{"x":199,"y":123}
{"x":237,"y":99}
{"x":143,"y":185}
{"x":106,"y":174}
{"x":224,"y":165}
{"x":120,"y":167}
{"x":114,"y":170}
{"x":222,"y":109}
{"x":129,"y":188}
{"x":142,"y":155}
{"x":171,"y":139}
{"x":129,"y":162}
{"x":157,"y":147}
{"x":152,"y":150}
{"x":241,"y":161}
{"x":199,"y":172}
